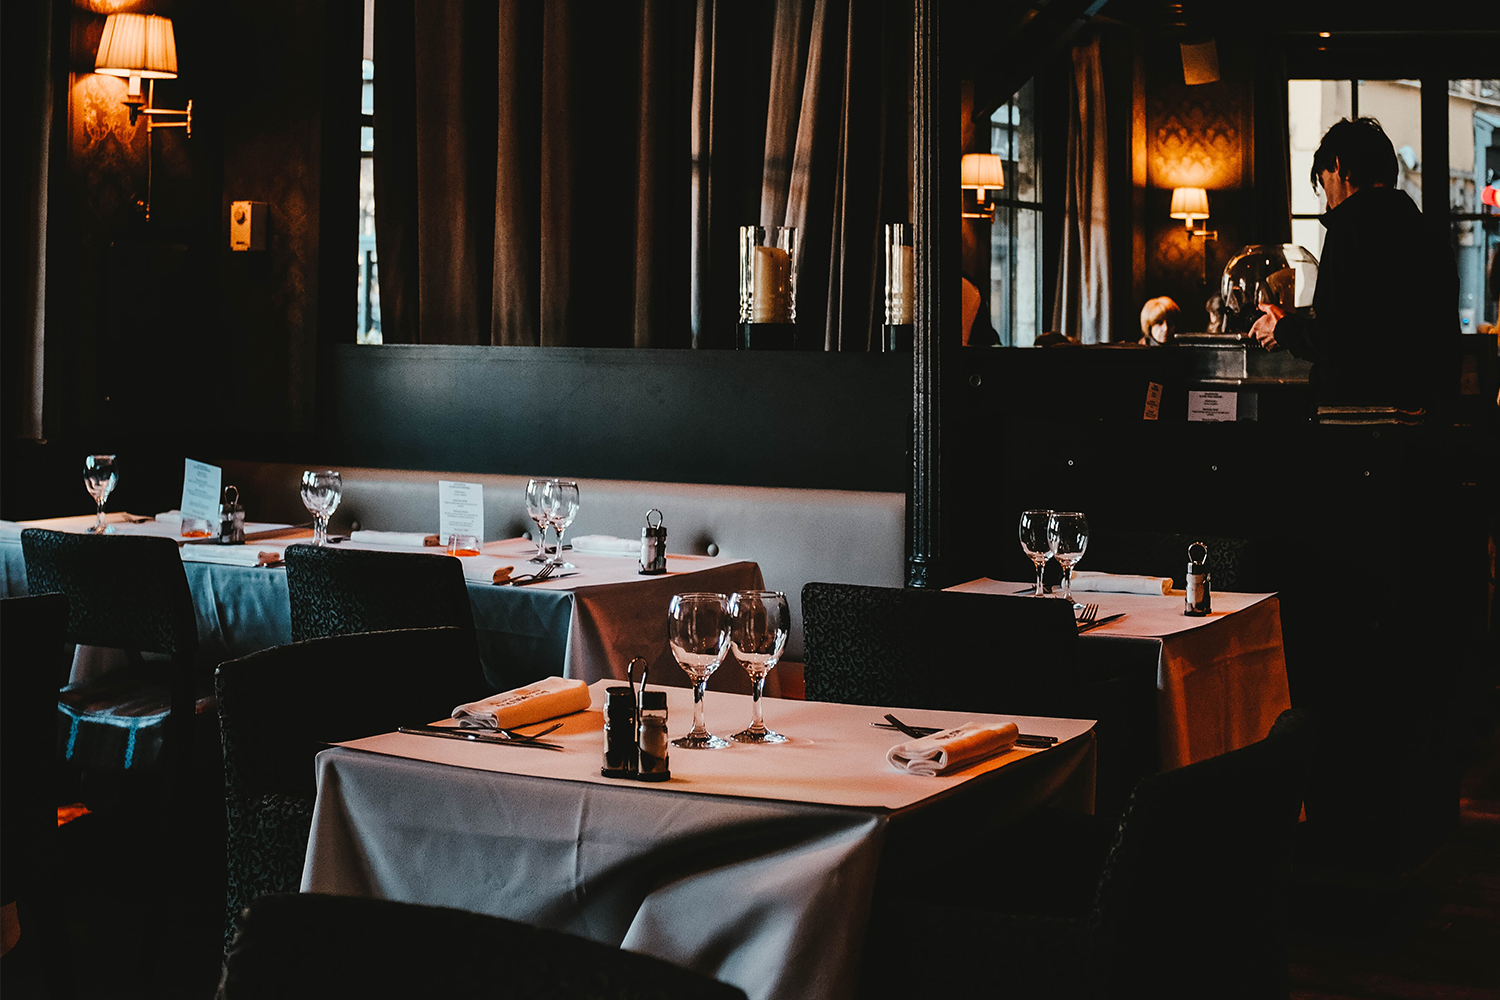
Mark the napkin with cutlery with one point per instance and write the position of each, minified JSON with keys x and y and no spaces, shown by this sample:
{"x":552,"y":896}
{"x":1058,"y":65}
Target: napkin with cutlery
{"x":417,"y":539}
{"x":231,"y":555}
{"x":607,"y":545}
{"x":1121,"y":583}
{"x":486,"y":569}
{"x":546,"y":699}
{"x":953,"y":749}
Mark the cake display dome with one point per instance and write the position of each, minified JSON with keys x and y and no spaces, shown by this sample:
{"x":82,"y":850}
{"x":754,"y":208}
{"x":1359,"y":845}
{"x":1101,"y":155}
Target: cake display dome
{"x":1281,"y":274}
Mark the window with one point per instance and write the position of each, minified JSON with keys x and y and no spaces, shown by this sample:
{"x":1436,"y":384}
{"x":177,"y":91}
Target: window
{"x":369,"y":275}
{"x":1015,"y":277}
{"x":1473,"y":164}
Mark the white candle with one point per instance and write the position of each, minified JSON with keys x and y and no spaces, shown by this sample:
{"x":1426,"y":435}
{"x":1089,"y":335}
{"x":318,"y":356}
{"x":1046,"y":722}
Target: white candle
{"x":903,"y":286}
{"x":770,"y":269}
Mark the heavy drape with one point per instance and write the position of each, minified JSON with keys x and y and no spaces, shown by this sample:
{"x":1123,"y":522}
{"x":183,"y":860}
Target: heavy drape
{"x":1272,"y":196}
{"x":574,"y":174}
{"x":1082,"y":306}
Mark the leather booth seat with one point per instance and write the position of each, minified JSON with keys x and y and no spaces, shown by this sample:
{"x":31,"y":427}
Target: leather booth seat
{"x":796,"y":535}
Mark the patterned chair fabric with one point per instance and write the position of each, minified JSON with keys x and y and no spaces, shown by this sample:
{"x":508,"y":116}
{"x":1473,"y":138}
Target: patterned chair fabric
{"x":279,"y":707}
{"x":933,"y":649}
{"x":124,"y":592}
{"x":340,"y":591}
{"x":315,"y":946}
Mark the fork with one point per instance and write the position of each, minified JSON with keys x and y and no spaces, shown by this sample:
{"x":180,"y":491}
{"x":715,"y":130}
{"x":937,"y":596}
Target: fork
{"x":918,"y":732}
{"x":1088,"y":614}
{"x":537,"y":577}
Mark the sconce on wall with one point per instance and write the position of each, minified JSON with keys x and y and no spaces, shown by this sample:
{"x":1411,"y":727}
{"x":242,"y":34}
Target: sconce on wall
{"x":981,"y":172}
{"x":143,"y":47}
{"x":1190,"y":205}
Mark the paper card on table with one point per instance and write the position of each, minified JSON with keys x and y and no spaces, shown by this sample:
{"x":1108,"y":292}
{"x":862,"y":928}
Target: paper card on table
{"x":1212,"y":406}
{"x":200,"y":491}
{"x":460,"y":509}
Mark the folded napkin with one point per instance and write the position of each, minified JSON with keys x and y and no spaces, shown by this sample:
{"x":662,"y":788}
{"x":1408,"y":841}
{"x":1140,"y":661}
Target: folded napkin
{"x":232,"y":555}
{"x":546,"y":699}
{"x":1121,"y":583}
{"x":607,"y":545}
{"x":486,"y":569}
{"x":953,"y":749}
{"x":173,"y":517}
{"x":413,"y":538}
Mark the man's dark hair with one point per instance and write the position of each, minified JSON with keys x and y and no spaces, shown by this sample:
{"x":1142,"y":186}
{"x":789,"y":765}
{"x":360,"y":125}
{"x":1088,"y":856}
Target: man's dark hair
{"x":1359,"y":150}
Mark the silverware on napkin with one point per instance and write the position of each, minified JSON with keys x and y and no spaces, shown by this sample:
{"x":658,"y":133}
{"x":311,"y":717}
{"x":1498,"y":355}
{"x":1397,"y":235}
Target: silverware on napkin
{"x":1029,"y":740}
{"x":505,"y":737}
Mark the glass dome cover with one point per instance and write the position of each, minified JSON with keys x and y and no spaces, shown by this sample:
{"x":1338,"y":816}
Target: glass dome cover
{"x":1282,"y":274}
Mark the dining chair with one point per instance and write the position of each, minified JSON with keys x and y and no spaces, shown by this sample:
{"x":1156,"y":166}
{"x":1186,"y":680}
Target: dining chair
{"x":342,"y":591}
{"x":278,"y":707}
{"x":1191,"y":899}
{"x":124,"y":592}
{"x":934,"y":649}
{"x":309,"y":945}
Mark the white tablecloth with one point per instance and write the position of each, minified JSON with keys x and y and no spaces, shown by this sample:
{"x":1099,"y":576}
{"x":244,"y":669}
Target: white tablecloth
{"x":755,"y":864}
{"x":1221,"y":680}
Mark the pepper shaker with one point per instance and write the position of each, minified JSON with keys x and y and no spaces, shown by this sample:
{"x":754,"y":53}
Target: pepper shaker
{"x":619,"y":733}
{"x":231,"y":518}
{"x":653,"y":749}
{"x":1198,"y":602}
{"x":653,"y":545}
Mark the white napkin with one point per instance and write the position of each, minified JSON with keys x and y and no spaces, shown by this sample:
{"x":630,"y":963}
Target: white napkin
{"x":1121,"y":583}
{"x":417,"y":539}
{"x":953,"y":749}
{"x":171,"y":517}
{"x":607,"y":545}
{"x":546,"y":699}
{"x":232,"y":555}
{"x":486,"y":569}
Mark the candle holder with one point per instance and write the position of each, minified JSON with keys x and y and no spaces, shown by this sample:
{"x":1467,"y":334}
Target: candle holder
{"x":900,"y":286}
{"x":768,"y":287}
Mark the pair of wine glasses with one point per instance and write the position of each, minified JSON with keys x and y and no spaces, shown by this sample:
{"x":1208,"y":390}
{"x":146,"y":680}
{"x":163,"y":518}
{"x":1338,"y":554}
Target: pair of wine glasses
{"x":1054,"y":534}
{"x":551,"y":503}
{"x":703,"y":628}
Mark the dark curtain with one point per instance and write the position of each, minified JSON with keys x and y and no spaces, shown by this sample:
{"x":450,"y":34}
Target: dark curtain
{"x":574,"y":174}
{"x":1272,"y":192}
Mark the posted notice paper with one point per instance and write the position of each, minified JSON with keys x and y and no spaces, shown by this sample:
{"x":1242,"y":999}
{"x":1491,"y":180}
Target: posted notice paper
{"x":200,"y":492}
{"x":460,"y":509}
{"x":1213,"y":405}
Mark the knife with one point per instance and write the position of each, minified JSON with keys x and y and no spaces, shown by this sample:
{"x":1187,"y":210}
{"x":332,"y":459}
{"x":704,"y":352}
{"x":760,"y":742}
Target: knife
{"x":545,"y":579}
{"x":1100,"y":621}
{"x":471,"y":736}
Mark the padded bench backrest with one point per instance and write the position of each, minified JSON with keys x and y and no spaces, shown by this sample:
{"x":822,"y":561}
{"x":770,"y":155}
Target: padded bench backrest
{"x":796,"y":535}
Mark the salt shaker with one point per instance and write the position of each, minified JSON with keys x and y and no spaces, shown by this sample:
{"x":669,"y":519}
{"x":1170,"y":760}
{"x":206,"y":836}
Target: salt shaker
{"x":619,"y":733}
{"x":1198,"y":602}
{"x":231,"y":518}
{"x":654,"y":764}
{"x":653,"y":545}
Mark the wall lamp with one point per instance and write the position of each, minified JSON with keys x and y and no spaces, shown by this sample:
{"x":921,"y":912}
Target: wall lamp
{"x":981,"y":172}
{"x":143,"y":47}
{"x":1190,"y":205}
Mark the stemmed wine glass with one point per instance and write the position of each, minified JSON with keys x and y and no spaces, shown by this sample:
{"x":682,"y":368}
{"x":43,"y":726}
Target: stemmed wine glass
{"x":99,"y":478}
{"x":537,"y":511}
{"x":560,"y":502}
{"x":759,"y":621}
{"x":321,"y":492}
{"x":1036,"y":542}
{"x":1068,"y":531}
{"x":698,"y":632}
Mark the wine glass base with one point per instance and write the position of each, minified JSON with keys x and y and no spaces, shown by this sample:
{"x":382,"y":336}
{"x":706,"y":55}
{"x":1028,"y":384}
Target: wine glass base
{"x":759,"y":736}
{"x":703,"y":741}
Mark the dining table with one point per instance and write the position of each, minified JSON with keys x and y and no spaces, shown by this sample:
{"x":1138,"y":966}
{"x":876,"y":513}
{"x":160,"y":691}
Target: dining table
{"x":588,"y":620}
{"x":758,"y":864}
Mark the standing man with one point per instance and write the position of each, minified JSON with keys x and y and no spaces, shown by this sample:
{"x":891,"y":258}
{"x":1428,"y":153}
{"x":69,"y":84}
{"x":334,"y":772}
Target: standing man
{"x":1385,"y":325}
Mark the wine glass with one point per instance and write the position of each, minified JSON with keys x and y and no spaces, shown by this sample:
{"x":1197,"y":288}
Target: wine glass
{"x":759,"y":621}
{"x":321,"y":493}
{"x":99,"y":478}
{"x":537,"y":511}
{"x":560,"y":501}
{"x":1068,"y":531}
{"x":1036,"y":542}
{"x":698,"y":632}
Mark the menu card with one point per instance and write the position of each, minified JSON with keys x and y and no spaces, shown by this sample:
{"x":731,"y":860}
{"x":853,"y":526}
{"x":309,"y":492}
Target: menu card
{"x":460,"y":509}
{"x":200,"y":491}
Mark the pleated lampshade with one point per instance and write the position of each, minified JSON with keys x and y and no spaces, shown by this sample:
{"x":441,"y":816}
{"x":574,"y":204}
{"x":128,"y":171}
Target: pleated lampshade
{"x":982,"y":171}
{"x":1189,"y":203}
{"x":137,"y":45}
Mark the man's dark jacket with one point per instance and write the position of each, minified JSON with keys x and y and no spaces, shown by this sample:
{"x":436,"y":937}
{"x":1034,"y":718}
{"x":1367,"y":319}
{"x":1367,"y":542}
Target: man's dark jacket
{"x":1385,"y":323}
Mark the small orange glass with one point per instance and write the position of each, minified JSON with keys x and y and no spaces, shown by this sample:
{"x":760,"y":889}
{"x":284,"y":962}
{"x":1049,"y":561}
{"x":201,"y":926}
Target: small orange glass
{"x":463,"y":545}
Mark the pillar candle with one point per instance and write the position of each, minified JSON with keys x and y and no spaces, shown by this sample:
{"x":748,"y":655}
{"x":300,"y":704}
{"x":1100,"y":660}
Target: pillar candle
{"x":770,"y":269}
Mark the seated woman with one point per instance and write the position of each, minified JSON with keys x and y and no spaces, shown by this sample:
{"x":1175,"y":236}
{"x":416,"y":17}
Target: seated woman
{"x":1158,"y":321}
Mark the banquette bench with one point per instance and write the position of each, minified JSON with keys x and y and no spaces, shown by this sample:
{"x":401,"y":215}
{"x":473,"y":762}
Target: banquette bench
{"x":795,"y":535}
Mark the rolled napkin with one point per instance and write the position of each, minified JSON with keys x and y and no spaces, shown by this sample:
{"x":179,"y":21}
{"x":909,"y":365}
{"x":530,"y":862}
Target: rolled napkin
{"x":546,"y":699}
{"x":1121,"y":583}
{"x":486,"y":569}
{"x":416,"y":539}
{"x":953,"y":749}
{"x":171,"y":517}
{"x":231,"y":555}
{"x":607,"y":545}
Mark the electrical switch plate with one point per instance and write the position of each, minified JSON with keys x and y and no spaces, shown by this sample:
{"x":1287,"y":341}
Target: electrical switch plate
{"x":248,"y":221}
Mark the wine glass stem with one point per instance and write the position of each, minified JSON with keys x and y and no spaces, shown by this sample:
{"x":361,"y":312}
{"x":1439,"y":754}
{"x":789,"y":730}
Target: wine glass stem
{"x":1040,"y":590}
{"x":700,"y":685}
{"x":1067,"y":581}
{"x":757,"y":720}
{"x":541,"y":541}
{"x":98,"y":517}
{"x":560,"y":530}
{"x":320,"y":529}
